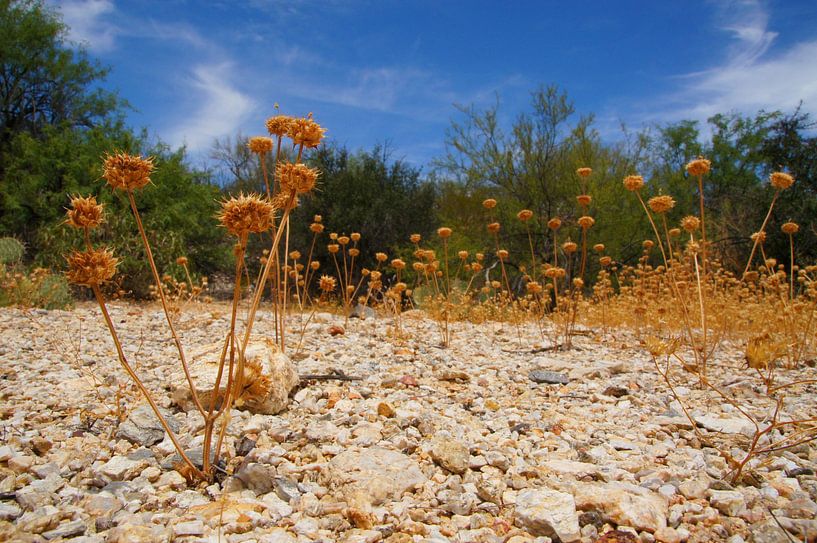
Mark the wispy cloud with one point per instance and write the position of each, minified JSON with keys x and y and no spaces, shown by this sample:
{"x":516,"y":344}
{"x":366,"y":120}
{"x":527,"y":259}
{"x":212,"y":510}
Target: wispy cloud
{"x":89,"y":23}
{"x":219,"y":108}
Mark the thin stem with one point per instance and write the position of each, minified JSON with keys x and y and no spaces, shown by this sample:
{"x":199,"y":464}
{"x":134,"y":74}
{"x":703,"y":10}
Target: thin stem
{"x":760,"y":232}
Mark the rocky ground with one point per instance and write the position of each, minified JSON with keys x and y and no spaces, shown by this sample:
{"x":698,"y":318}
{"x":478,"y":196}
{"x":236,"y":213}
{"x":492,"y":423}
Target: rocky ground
{"x":486,"y":441}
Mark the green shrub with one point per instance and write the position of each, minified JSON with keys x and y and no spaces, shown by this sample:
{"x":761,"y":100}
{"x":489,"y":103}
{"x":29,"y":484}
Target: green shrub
{"x":11,"y":251}
{"x":37,"y":288}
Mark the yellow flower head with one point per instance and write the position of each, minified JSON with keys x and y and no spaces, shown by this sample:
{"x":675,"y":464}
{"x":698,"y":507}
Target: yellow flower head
{"x":84,"y":212}
{"x":245,"y":214}
{"x":306,"y":132}
{"x":633,"y":182}
{"x":278,"y":125}
{"x":126,"y":172}
{"x":91,"y":267}
{"x":698,"y":167}
{"x":661,"y":204}
{"x":297,"y":178}
{"x":260,"y":145}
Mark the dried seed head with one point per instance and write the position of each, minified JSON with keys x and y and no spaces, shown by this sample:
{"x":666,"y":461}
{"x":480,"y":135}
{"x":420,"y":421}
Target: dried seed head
{"x":84,"y":212}
{"x":698,"y":167}
{"x":790,"y":228}
{"x":578,"y":282}
{"x":355,"y":236}
{"x":605,"y":261}
{"x":759,"y":237}
{"x":381,"y":257}
{"x":569,"y":247}
{"x":278,"y":125}
{"x":584,"y":172}
{"x":327,"y":283}
{"x":260,"y":145}
{"x":586,"y":222}
{"x":316,"y":227}
{"x":429,"y":255}
{"x":181,"y":261}
{"x":444,"y":232}
{"x":418,"y":266}
{"x":496,"y":284}
{"x":781,"y":181}
{"x":91,"y":267}
{"x":554,"y":223}
{"x":344,"y":240}
{"x":314,"y":265}
{"x":462,"y":255}
{"x":333,"y":248}
{"x":661,"y":204}
{"x":480,"y":257}
{"x":493,"y":227}
{"x":245,"y":214}
{"x":126,"y":172}
{"x":398,"y":264}
{"x":489,"y":203}
{"x":317,"y":218}
{"x":633,"y":182}
{"x":584,"y":199}
{"x":333,"y":236}
{"x":476,"y":267}
{"x":400,"y":287}
{"x":533,"y":287}
{"x":354,"y":251}
{"x":298,"y":178}
{"x":555,"y":272}
{"x":306,"y":132}
{"x":415,"y":238}
{"x":285,"y":201}
{"x":674,"y":232}
{"x":761,"y":351}
{"x":648,"y":244}
{"x":295,"y":255}
{"x":690,"y":223}
{"x":502,"y":254}
{"x":525,"y":215}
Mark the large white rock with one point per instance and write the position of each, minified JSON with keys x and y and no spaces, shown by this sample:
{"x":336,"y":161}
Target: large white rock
{"x":374,"y":474}
{"x":269,"y":376}
{"x":548,"y":513}
{"x":624,"y":504}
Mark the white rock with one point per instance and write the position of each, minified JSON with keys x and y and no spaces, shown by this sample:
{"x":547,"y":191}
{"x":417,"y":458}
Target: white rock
{"x":548,"y":513}
{"x":379,"y":474}
{"x":624,"y":504}
{"x":728,"y":502}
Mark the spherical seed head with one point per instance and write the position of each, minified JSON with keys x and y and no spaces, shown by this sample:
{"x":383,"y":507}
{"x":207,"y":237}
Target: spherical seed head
{"x":790,"y":228}
{"x":759,"y":237}
{"x":584,"y":199}
{"x":444,"y":232}
{"x":674,"y":232}
{"x":181,"y":261}
{"x":495,"y":284}
{"x":355,"y":236}
{"x":569,"y":247}
{"x":648,"y":244}
{"x":489,"y":203}
{"x":533,"y":287}
{"x":295,"y":255}
{"x":354,"y":251}
{"x":246,"y":213}
{"x":555,"y":272}
{"x":525,"y":215}
{"x":429,"y":254}
{"x":333,"y":248}
{"x":502,"y":254}
{"x":260,"y":145}
{"x":84,"y":212}
{"x":398,"y":264}
{"x":278,"y":125}
{"x":381,"y":257}
{"x":554,"y":223}
{"x":690,"y":223}
{"x":415,"y":238}
{"x":344,"y":240}
{"x":418,"y":266}
{"x":316,"y":227}
{"x":327,"y":283}
{"x":298,"y":178}
{"x":781,"y":181}
{"x":480,"y":257}
{"x":605,"y":261}
{"x":598,"y":247}
{"x":698,"y":167}
{"x":586,"y":222}
{"x":661,"y":204}
{"x":126,"y":172}
{"x":91,"y":267}
{"x":584,"y":172}
{"x":333,"y":236}
{"x":633,"y":182}
{"x":462,"y":255}
{"x":285,"y":201}
{"x":314,"y":265}
{"x":578,"y":282}
{"x":306,"y":132}
{"x":493,"y":227}
{"x":476,"y":267}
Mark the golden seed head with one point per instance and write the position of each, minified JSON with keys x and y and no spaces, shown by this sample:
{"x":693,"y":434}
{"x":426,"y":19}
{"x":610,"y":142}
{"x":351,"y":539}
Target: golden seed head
{"x":333,"y":248}
{"x":444,"y":232}
{"x":317,"y":218}
{"x":429,"y":255}
{"x":759,"y":237}
{"x":415,"y":238}
{"x":584,"y":199}
{"x":598,"y":247}
{"x":578,"y":282}
{"x":327,"y":283}
{"x":781,"y":181}
{"x":285,"y":201}
{"x":84,"y":212}
{"x":605,"y":261}
{"x":418,"y":266}
{"x":496,"y":284}
{"x":633,"y":182}
{"x":381,"y":257}
{"x":260,"y":145}
{"x":586,"y":222}
{"x":376,"y":275}
{"x":278,"y":125}
{"x":298,"y":178}
{"x":489,"y":203}
{"x":354,"y":251}
{"x":584,"y":172}
{"x":127,"y":172}
{"x":533,"y":287}
{"x":316,"y":227}
{"x":476,"y":267}
{"x":751,"y":276}
{"x":398,"y":264}
{"x":181,"y":261}
{"x":690,"y":223}
{"x":661,"y":204}
{"x":344,"y":240}
{"x":333,"y":236}
{"x":480,"y":257}
{"x":91,"y":267}
{"x":246,"y":213}
{"x":502,"y":254}
{"x":569,"y":247}
{"x":555,"y":272}
{"x":493,"y":227}
{"x":648,"y":244}
{"x":355,"y":236}
{"x":698,"y":167}
{"x":674,"y":232}
{"x":306,"y":132}
{"x":400,"y":287}
{"x":462,"y":255}
{"x":554,"y":223}
{"x":295,"y":255}
{"x":790,"y":228}
{"x":314,"y":265}
{"x":525,"y":215}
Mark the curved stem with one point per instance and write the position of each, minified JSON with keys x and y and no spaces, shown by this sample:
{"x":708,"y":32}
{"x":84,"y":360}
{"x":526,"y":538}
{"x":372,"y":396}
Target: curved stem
{"x":760,"y":232}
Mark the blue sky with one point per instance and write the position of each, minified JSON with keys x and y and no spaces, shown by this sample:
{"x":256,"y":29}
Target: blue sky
{"x":388,"y":70}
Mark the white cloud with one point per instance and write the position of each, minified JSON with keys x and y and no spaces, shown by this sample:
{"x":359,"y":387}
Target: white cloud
{"x":219,"y":108}
{"x":89,"y":23}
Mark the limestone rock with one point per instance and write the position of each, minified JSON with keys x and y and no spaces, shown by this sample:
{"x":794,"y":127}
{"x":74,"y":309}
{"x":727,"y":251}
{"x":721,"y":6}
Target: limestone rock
{"x":376,"y":473}
{"x":450,"y":453}
{"x":549,"y":513}
{"x":142,"y":426}
{"x":624,"y":504}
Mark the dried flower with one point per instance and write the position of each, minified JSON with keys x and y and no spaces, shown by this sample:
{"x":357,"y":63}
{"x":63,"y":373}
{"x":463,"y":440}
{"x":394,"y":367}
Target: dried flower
{"x":525,"y":215}
{"x":333,"y":248}
{"x":555,"y":272}
{"x":91,"y":267}
{"x":381,"y":257}
{"x":298,"y":178}
{"x":569,"y":247}
{"x":584,"y":199}
{"x":584,"y":172}
{"x":181,"y":261}
{"x":633,"y":182}
{"x":418,"y":266}
{"x":502,"y":254}
{"x":674,"y":232}
{"x":245,"y":214}
{"x":314,"y":265}
{"x":605,"y":261}
{"x":278,"y":125}
{"x":84,"y":212}
{"x":305,"y":131}
{"x":327,"y":283}
{"x":533,"y":287}
{"x":496,"y":284}
{"x":355,"y":236}
{"x":260,"y":145}
{"x":586,"y":222}
{"x":598,"y":247}
{"x":554,"y":223}
{"x":690,"y":223}
{"x":480,"y":257}
{"x":316,"y":227}
{"x":354,"y":251}
{"x":344,"y":240}
{"x":489,"y":203}
{"x":127,"y":172}
{"x":462,"y":255}
{"x":648,"y":244}
{"x":759,"y":237}
{"x":285,"y":201}
{"x":295,"y":255}
{"x":661,"y":204}
{"x":790,"y":228}
{"x":444,"y":232}
{"x":398,"y":264}
{"x":699,"y":166}
{"x":781,"y":181}
{"x":493,"y":227}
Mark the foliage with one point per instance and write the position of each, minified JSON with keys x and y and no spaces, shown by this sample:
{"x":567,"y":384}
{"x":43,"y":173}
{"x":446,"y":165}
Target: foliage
{"x":11,"y":251}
